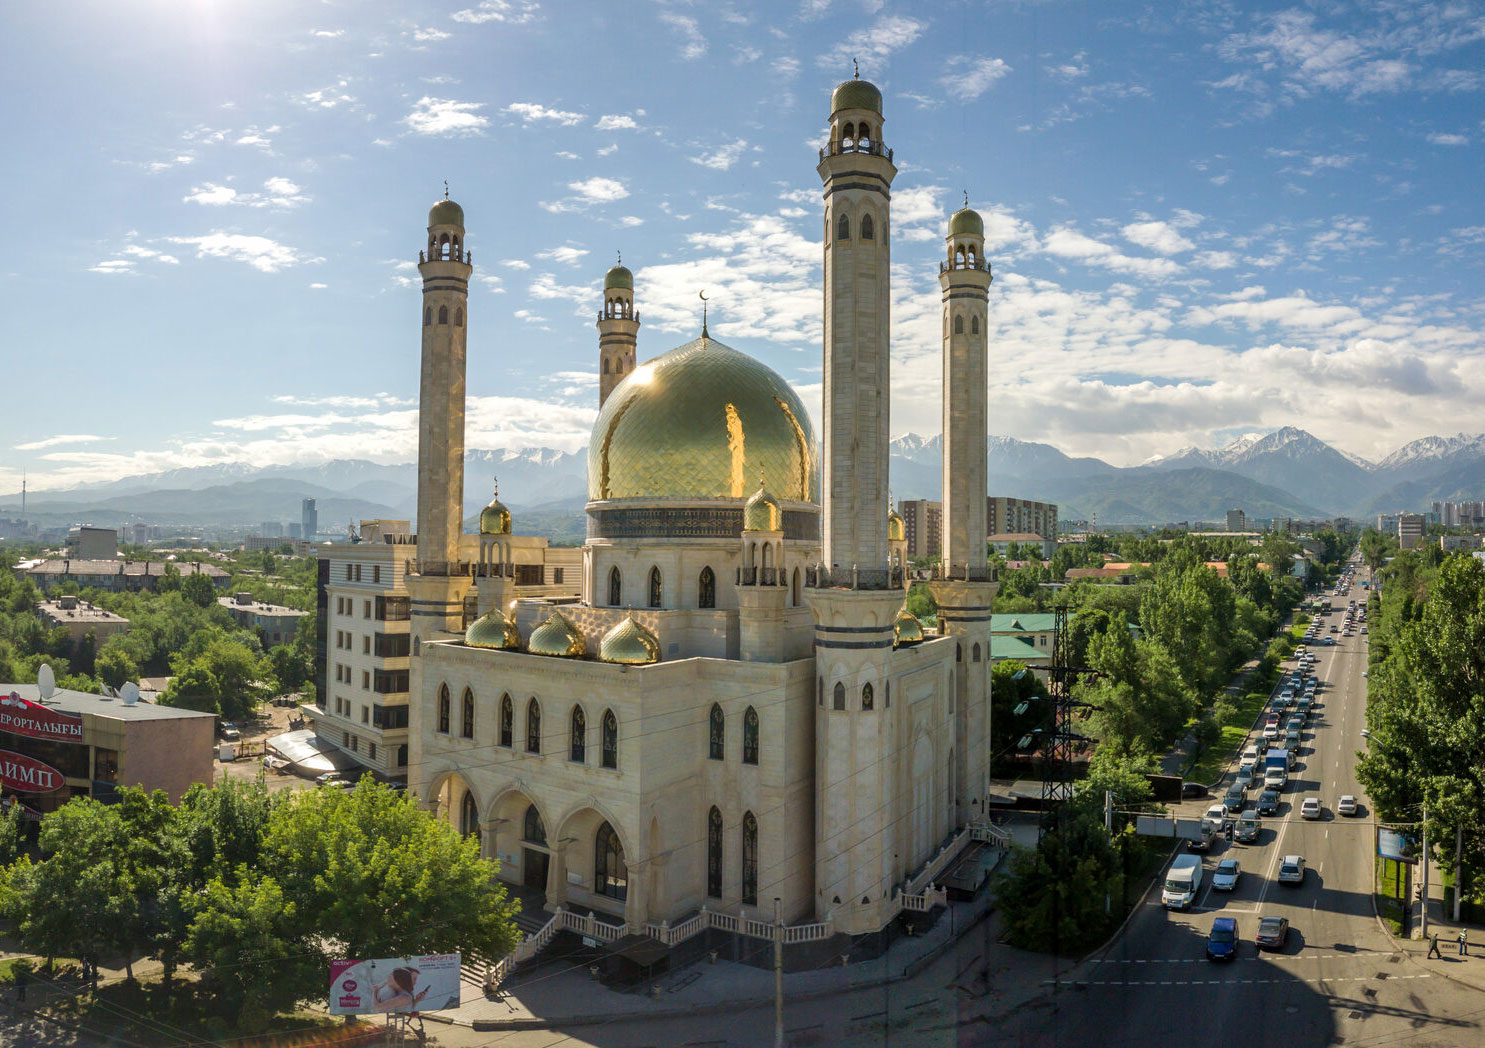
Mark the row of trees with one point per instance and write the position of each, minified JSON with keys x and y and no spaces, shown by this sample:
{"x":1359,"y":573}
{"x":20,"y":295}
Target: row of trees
{"x":1426,"y":702}
{"x":255,"y":892}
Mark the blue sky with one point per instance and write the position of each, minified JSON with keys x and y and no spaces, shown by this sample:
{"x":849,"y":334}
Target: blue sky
{"x":1204,"y":218}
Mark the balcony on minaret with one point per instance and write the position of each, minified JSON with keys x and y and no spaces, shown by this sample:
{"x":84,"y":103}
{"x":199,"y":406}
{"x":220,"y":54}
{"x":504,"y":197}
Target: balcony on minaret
{"x":853,"y":578}
{"x":962,"y":573}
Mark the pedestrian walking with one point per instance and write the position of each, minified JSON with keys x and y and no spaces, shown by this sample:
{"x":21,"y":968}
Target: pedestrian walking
{"x":1433,"y":948}
{"x":1464,"y":943}
{"x":21,"y":978}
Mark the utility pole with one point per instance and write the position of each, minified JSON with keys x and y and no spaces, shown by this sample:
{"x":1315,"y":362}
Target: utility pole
{"x":778,"y":976}
{"x":1423,"y":892}
{"x":1108,"y":827}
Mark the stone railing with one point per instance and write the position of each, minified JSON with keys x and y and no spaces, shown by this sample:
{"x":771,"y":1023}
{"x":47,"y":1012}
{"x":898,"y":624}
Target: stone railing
{"x":869,"y":146}
{"x":854,"y":578}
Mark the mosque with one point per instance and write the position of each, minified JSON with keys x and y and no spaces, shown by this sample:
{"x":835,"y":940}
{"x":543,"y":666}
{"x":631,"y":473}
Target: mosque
{"x":738,"y":708}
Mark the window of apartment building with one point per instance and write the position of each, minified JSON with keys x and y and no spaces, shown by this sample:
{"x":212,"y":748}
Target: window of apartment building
{"x":402,"y":755}
{"x":345,"y":738}
{"x":355,"y":744}
{"x":366,"y":644}
{"x":348,"y":573}
{"x":358,"y":573}
{"x":376,"y":573}
{"x":365,"y":714}
{"x":557,"y":576}
{"x":371,"y":751}
{"x":365,"y":680}
{"x":366,"y":611}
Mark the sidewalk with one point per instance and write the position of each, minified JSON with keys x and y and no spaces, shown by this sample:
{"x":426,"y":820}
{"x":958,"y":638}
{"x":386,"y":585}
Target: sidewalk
{"x":1468,"y":970}
{"x":570,"y":996}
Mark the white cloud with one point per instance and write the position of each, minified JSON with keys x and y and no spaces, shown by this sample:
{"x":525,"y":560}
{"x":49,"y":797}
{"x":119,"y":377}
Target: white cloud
{"x":140,"y":251}
{"x":63,"y":438}
{"x":429,"y":35}
{"x":1441,"y":139}
{"x":1214,"y":260}
{"x":511,"y":12}
{"x":327,"y":97}
{"x":545,"y":286}
{"x":328,"y":34}
{"x":438,"y":116}
{"x":531,"y":112}
{"x":631,"y":220}
{"x":515,"y":263}
{"x":693,"y":43}
{"x":257,"y":137}
{"x":598,"y":190}
{"x":614,"y":122}
{"x":566,"y":254}
{"x":1160,"y":237}
{"x":875,"y":44}
{"x":972,"y":77}
{"x":1069,"y":243}
{"x":264,"y":255}
{"x":723,"y":157}
{"x":211,"y":195}
{"x":318,"y":287}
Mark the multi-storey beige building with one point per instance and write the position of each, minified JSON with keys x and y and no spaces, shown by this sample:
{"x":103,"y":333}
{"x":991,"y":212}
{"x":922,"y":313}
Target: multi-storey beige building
{"x":80,"y":617}
{"x":1004,"y":516}
{"x":737,"y":706}
{"x":275,"y":623}
{"x":922,"y":523}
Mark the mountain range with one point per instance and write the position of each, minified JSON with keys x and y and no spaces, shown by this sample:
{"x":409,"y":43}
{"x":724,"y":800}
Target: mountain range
{"x":1285,"y":473}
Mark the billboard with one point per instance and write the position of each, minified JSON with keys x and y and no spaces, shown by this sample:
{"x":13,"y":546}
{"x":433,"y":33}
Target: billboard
{"x":24,"y":717}
{"x":1400,"y":845}
{"x":395,"y":984}
{"x":24,"y":774}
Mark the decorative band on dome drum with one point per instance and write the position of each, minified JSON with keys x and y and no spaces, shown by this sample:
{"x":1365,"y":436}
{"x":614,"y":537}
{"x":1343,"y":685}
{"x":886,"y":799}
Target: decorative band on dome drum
{"x":690,"y":522}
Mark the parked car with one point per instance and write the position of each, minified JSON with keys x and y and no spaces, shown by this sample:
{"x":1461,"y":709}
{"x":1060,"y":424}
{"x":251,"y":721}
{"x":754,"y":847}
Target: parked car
{"x":1346,"y":805}
{"x":1310,"y":808}
{"x":332,"y":778}
{"x":1222,"y":943}
{"x":1292,"y":870}
{"x":1226,"y":876}
{"x":1273,"y":933}
{"x":1192,"y":789}
{"x":229,"y":731}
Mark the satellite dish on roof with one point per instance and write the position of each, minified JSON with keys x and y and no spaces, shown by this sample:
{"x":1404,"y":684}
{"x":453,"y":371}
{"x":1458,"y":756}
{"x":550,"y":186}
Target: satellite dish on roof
{"x":46,"y":681}
{"x":129,"y":693}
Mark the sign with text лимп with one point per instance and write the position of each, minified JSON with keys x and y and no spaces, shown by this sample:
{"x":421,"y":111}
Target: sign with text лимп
{"x":22,"y":774}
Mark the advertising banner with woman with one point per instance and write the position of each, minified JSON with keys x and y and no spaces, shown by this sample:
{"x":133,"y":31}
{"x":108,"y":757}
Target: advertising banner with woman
{"x":396,"y":984}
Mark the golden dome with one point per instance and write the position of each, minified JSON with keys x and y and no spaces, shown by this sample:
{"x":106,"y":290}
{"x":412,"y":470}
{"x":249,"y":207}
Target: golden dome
{"x":446,"y":213}
{"x":493,"y":630}
{"x":693,"y":423}
{"x":906,"y":629}
{"x":557,"y":637}
{"x":856,"y":94}
{"x":629,"y":644}
{"x":966,"y":221}
{"x":896,"y":526}
{"x":495,"y":518}
{"x":762,"y":512}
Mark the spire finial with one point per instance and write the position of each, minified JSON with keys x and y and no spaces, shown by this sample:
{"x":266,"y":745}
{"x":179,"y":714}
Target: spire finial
{"x":620,"y":254}
{"x":495,"y":485}
{"x":446,"y":189}
{"x":702,"y":295}
{"x":857,"y":66}
{"x":966,"y":198}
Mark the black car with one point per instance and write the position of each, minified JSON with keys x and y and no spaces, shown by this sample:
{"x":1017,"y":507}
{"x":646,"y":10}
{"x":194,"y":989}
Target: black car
{"x":1268,"y":802}
{"x":1193,"y":789}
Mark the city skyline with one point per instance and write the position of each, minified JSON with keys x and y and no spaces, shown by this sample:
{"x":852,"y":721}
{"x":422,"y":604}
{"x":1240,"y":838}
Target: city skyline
{"x":1214,"y":223}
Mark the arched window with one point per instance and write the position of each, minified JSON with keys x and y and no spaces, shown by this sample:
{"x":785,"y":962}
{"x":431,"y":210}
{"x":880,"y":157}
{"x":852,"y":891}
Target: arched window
{"x":610,"y":756}
{"x":614,"y":588}
{"x":706,"y":589}
{"x":533,"y":727}
{"x":507,"y":721}
{"x":974,"y":325}
{"x":889,"y":695}
{"x":867,"y":232}
{"x":402,"y":756}
{"x":958,"y":325}
{"x":820,"y":697}
{"x":974,"y":653}
{"x":714,"y":853}
{"x":466,"y":715}
{"x":655,"y":591}
{"x":443,"y":314}
{"x":443,"y":709}
{"x":796,"y":588}
{"x":843,"y":228}
{"x":839,"y":700}
{"x":532,"y":828}
{"x":610,"y":875}
{"x":605,"y":365}
{"x":716,"y":734}
{"x":469,"y":817}
{"x":428,"y":317}
{"x":750,"y":736}
{"x":578,"y":747}
{"x":868,"y":697}
{"x":458,"y":317}
{"x":749,"y":859}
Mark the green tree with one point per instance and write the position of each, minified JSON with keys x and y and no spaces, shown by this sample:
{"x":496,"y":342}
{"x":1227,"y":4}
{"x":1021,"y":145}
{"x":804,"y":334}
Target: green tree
{"x":1053,"y":898}
{"x":1014,"y":688}
{"x":114,"y":667}
{"x":246,"y":940}
{"x":12,"y":834}
{"x":169,"y":581}
{"x":217,"y":674}
{"x":199,"y":590}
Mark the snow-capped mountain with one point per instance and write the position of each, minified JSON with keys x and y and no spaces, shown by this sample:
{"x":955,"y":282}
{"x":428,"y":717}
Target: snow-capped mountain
{"x":1431,"y":452}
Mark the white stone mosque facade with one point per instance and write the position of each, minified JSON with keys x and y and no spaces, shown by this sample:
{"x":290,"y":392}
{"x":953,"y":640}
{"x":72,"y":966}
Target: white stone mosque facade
{"x":738,"y":708}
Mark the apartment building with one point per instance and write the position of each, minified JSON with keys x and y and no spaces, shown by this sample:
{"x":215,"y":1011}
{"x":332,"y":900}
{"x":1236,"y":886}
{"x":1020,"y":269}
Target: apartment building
{"x":923,"y":526}
{"x":1007,"y":516}
{"x":1409,"y":529}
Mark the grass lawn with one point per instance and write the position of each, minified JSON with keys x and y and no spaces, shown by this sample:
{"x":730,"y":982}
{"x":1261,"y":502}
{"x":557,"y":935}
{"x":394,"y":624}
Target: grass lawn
{"x":1209,"y":763}
{"x":1391,"y":882}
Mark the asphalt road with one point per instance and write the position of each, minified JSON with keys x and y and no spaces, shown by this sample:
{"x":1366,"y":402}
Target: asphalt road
{"x":1338,"y":981}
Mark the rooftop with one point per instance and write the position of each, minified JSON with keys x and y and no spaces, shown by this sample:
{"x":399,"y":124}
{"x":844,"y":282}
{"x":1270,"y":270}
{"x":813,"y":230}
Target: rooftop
{"x":74,"y":566}
{"x":67,"y":701}
{"x":70,"y":609}
{"x":1015,"y":536}
{"x":1024,"y":622}
{"x":258,"y":607}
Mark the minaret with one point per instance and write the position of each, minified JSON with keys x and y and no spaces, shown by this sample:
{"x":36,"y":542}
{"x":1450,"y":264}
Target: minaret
{"x":438,"y":581}
{"x":618,"y":330}
{"x":964,"y":591}
{"x":857,"y":171}
{"x":857,"y":749}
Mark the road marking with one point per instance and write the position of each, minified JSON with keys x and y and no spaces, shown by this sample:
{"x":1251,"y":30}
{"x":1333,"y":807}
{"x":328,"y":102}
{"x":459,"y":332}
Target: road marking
{"x":1208,"y":982}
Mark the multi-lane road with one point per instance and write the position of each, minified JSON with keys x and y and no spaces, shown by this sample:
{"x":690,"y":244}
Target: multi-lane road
{"x":1338,"y":981}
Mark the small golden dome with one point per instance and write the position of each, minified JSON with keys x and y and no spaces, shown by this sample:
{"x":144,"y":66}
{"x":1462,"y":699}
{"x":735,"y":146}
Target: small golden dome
{"x":856,"y":94}
{"x":762,"y":512}
{"x":630,"y":644}
{"x":906,"y":629}
{"x":896,"y":526}
{"x":495,"y":518}
{"x":557,"y":637}
{"x":493,"y":630}
{"x":966,"y":221}
{"x":619,"y":277}
{"x":446,"y":213}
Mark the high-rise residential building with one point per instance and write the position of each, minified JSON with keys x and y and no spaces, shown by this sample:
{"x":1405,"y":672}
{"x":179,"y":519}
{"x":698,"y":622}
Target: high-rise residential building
{"x":1409,"y":529}
{"x":1019,"y":516}
{"x":309,"y":520}
{"x":89,"y":543}
{"x":1237,"y":520}
{"x":923,"y":522}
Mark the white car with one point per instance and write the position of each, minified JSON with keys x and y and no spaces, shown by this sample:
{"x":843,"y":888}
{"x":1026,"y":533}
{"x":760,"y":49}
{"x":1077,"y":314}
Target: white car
{"x":1216,"y":817}
{"x":1310,"y":809}
{"x":1292,"y":870}
{"x":1226,"y":877}
{"x":1346,"y":805}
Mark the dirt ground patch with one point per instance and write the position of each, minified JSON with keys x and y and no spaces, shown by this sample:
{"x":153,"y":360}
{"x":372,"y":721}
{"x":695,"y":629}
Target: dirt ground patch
{"x":271,"y":721}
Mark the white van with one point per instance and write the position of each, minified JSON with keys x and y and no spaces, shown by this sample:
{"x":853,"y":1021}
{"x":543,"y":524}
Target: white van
{"x":1181,"y":882}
